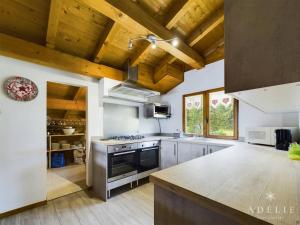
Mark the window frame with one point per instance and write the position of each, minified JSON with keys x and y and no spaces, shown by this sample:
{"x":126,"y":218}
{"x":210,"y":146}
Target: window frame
{"x":206,"y":115}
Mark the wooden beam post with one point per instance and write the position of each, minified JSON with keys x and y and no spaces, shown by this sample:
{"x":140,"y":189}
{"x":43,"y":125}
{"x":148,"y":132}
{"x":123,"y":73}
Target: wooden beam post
{"x":27,"y":51}
{"x":53,"y":21}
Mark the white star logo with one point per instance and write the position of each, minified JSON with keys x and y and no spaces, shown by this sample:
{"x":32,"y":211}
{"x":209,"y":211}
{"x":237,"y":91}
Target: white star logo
{"x":270,"y":196}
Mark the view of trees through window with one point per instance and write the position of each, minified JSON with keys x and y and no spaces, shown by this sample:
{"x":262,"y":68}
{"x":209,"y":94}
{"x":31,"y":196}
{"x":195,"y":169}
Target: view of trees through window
{"x":215,"y":107}
{"x":221,"y":116}
{"x":194,"y":114}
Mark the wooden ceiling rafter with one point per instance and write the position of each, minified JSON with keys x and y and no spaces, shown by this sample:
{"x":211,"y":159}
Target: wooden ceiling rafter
{"x":176,"y":11}
{"x":62,"y":104}
{"x":31,"y":52}
{"x":199,"y":33}
{"x":53,"y":21}
{"x":131,"y":16}
{"x":81,"y":91}
{"x":210,"y":24}
{"x":214,"y":47}
{"x":106,"y":37}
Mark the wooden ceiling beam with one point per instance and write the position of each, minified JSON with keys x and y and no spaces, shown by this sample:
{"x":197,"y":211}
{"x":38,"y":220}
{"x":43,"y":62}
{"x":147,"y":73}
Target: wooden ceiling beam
{"x":106,"y":37}
{"x":62,"y":104}
{"x":28,"y":51}
{"x":138,"y":55}
{"x":53,"y":21}
{"x":131,"y":16}
{"x":81,"y":91}
{"x":214,"y":47}
{"x":210,"y":24}
{"x":200,"y":32}
{"x":175,"y":13}
{"x":215,"y":52}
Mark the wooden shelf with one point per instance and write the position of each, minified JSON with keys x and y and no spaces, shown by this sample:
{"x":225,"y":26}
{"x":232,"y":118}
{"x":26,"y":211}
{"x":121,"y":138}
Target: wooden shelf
{"x":67,"y":149}
{"x":64,"y":135}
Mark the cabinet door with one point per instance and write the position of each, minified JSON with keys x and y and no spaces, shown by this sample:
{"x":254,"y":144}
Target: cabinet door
{"x":168,"y":154}
{"x":199,"y":150}
{"x":189,"y":151}
{"x":214,"y":148}
{"x":185,"y":152}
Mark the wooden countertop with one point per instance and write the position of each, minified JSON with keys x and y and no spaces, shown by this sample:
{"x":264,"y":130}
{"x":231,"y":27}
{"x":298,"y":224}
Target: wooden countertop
{"x":241,"y":181}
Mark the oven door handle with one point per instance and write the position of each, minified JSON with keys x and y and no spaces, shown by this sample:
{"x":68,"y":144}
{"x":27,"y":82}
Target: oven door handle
{"x":123,"y":153}
{"x":149,"y":149}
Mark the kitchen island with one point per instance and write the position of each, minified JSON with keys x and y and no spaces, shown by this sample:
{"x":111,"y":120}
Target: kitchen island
{"x":243,"y":184}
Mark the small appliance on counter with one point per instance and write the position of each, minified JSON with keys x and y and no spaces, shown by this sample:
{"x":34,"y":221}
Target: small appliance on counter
{"x":283,"y":139}
{"x":269,"y":136}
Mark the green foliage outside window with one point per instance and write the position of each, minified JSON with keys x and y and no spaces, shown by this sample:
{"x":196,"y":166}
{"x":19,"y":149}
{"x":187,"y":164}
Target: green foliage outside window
{"x":194,"y":121}
{"x":221,"y":120}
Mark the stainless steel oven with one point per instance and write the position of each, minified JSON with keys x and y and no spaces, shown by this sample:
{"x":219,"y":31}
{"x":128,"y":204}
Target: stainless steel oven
{"x":122,"y":161}
{"x":148,"y":156}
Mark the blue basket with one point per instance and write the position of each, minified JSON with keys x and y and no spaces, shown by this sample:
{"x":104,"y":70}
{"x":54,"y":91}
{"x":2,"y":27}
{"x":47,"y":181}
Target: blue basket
{"x":58,"y":160}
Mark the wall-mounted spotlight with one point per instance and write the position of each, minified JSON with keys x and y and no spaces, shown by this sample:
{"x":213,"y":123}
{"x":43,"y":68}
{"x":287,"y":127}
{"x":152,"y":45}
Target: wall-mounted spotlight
{"x":153,"y":40}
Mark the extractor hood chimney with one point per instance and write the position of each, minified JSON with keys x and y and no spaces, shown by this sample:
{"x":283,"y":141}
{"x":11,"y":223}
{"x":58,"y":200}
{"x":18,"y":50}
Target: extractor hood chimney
{"x":130,"y":89}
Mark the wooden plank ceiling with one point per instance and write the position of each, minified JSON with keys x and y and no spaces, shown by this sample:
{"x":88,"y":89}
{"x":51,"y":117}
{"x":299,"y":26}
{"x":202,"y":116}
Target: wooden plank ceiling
{"x":91,"y":37}
{"x":65,"y":101}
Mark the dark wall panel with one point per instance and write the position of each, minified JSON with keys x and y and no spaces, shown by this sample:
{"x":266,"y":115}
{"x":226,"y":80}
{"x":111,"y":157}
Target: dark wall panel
{"x":262,"y":43}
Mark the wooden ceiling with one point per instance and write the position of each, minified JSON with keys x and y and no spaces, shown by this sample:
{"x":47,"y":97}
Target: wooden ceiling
{"x":91,"y":37}
{"x":65,"y":101}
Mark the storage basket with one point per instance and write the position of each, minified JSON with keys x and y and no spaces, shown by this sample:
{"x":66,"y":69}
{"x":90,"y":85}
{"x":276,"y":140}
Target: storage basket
{"x":57,"y":160}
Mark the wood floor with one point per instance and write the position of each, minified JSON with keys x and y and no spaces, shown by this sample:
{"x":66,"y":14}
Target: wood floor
{"x":65,"y":180}
{"x":134,"y":207}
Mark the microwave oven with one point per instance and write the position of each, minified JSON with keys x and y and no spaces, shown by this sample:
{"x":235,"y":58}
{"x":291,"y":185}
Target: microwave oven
{"x":157,"y":110}
{"x":267,"y":135}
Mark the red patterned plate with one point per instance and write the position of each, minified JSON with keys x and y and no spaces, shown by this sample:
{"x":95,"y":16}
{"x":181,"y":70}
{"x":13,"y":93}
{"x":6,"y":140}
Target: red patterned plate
{"x":20,"y":89}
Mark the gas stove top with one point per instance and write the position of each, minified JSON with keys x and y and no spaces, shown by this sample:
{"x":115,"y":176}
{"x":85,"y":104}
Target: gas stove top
{"x":129,"y":137}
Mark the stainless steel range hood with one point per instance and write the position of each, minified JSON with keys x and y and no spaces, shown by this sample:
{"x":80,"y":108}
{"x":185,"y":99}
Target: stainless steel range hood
{"x":131,"y":90}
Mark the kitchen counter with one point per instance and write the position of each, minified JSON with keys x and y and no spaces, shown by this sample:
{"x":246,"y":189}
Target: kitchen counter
{"x":120,"y":142}
{"x":196,"y":140}
{"x":243,"y":184}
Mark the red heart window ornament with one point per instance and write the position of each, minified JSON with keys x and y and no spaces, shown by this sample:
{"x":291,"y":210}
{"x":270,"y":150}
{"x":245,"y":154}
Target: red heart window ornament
{"x":214,"y":102}
{"x":225,"y":100}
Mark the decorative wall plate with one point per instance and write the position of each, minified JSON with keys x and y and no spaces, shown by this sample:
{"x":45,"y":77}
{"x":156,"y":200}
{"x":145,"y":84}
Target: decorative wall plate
{"x":20,"y":89}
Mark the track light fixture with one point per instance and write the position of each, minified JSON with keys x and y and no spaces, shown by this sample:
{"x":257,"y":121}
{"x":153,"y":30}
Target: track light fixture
{"x":153,"y":40}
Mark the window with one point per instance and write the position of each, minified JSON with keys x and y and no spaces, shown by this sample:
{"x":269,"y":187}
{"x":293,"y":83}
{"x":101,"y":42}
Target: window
{"x":194,"y":114}
{"x":210,"y":113}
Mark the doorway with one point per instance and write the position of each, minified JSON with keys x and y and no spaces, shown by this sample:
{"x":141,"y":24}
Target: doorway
{"x":66,"y":139}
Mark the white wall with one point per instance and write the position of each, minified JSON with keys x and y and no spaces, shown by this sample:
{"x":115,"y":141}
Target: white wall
{"x":146,"y":125}
{"x":212,"y":76}
{"x":23,"y":132}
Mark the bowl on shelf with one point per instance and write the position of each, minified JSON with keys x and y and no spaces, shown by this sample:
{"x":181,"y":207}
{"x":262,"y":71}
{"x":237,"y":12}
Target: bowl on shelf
{"x":68,"y":130}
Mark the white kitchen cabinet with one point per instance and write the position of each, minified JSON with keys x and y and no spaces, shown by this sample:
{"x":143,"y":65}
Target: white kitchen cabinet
{"x":168,"y":154}
{"x":189,"y":151}
{"x":214,"y":148}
